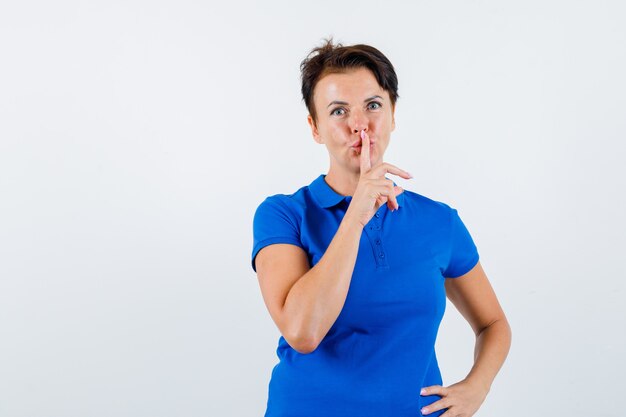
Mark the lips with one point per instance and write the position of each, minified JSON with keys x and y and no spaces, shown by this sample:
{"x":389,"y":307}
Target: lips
{"x":357,"y":149}
{"x":357,"y":144}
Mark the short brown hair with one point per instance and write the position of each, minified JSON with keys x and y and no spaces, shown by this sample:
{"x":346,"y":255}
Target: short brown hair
{"x":329,"y":58}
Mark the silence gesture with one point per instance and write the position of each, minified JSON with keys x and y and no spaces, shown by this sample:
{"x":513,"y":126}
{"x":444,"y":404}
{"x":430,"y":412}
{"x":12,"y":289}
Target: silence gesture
{"x":373,"y":189}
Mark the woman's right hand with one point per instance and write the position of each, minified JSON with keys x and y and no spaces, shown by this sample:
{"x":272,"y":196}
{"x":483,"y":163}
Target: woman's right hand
{"x":373,"y":189}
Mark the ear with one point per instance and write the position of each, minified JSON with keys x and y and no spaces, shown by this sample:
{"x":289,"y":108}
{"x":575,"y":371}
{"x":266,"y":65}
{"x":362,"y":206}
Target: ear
{"x":314,"y":131}
{"x":393,"y":118}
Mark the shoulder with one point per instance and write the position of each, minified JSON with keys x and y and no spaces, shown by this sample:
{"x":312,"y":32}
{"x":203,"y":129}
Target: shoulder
{"x":427,"y":206}
{"x":290,"y":205}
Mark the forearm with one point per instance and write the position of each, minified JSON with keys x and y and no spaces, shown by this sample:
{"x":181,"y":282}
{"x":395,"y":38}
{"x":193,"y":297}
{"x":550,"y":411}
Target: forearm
{"x":492,"y":347}
{"x":316,"y":299}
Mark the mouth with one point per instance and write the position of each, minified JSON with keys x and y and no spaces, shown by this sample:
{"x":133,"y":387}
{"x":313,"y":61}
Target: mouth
{"x":357,"y":148}
{"x":357,"y":144}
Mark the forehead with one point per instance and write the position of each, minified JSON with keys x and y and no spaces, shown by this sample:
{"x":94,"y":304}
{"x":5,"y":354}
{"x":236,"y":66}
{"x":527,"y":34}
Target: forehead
{"x":356,"y":83}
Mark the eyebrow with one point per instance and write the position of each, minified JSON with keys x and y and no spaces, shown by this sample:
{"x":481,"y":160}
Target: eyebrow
{"x":346,"y":103}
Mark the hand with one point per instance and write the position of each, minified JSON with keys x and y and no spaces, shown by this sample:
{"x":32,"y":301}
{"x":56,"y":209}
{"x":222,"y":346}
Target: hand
{"x":373,"y":189}
{"x":461,"y":399}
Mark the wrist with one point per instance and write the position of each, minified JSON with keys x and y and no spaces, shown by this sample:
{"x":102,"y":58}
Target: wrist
{"x":352,"y":222}
{"x":480,"y":384}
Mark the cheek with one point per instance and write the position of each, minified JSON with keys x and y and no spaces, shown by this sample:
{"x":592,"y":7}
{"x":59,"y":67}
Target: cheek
{"x":385,"y":125}
{"x":379,"y":120}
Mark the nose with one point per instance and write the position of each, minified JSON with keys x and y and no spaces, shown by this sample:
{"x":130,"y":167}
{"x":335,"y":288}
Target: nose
{"x":358,"y":122}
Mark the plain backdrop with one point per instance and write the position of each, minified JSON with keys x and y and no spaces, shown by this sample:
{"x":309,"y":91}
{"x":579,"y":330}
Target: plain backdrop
{"x":137,"y":139}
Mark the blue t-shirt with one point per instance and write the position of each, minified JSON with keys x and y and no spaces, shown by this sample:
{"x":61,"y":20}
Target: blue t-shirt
{"x":380,"y":351}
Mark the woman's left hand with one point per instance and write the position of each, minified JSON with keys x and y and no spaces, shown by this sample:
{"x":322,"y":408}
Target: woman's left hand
{"x":462,"y":399}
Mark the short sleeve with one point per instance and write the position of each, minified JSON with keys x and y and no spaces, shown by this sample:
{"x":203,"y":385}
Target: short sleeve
{"x":463,"y":253}
{"x":274,"y":222}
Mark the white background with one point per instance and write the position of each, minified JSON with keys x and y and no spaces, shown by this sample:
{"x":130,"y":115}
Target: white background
{"x":137,"y":139}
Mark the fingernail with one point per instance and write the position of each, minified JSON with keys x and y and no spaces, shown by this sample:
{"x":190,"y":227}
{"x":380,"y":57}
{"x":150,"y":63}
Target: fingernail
{"x":424,"y":410}
{"x":410,"y":175}
{"x":423,"y":391}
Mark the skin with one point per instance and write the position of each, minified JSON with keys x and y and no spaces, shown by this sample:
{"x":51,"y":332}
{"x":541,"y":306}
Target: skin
{"x":305,"y":301}
{"x":338,"y":126}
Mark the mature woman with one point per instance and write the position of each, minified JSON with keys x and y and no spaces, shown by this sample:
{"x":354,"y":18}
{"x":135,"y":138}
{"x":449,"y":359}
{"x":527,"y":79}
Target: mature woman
{"x":355,"y":270}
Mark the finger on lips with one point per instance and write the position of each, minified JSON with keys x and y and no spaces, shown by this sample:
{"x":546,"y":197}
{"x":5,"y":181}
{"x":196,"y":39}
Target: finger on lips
{"x":366,"y":164}
{"x":380,"y":170}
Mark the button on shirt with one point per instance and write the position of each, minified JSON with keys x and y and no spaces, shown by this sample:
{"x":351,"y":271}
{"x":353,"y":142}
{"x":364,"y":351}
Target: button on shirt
{"x":380,"y":351}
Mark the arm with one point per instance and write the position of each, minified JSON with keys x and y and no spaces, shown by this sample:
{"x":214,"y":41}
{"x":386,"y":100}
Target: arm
{"x":304,"y":303}
{"x":475,"y":299}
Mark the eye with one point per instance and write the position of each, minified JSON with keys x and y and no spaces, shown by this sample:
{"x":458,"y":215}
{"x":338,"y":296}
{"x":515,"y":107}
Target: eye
{"x":334,"y":112}
{"x":378,"y":105}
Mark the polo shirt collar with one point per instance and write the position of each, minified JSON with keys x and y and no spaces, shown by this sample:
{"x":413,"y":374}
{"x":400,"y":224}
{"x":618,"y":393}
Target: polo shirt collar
{"x":327,"y":197}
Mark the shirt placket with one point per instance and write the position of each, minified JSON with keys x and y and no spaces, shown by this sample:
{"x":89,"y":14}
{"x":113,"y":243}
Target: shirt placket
{"x":374,"y":232}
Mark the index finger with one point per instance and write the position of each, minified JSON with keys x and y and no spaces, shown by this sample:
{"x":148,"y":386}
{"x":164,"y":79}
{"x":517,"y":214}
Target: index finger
{"x":381,"y":169}
{"x":366,"y":164}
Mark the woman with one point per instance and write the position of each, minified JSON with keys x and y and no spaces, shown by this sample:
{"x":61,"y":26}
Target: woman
{"x":355,"y":271}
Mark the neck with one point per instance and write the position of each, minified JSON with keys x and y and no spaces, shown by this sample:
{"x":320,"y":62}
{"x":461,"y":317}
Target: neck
{"x":343,"y":183}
